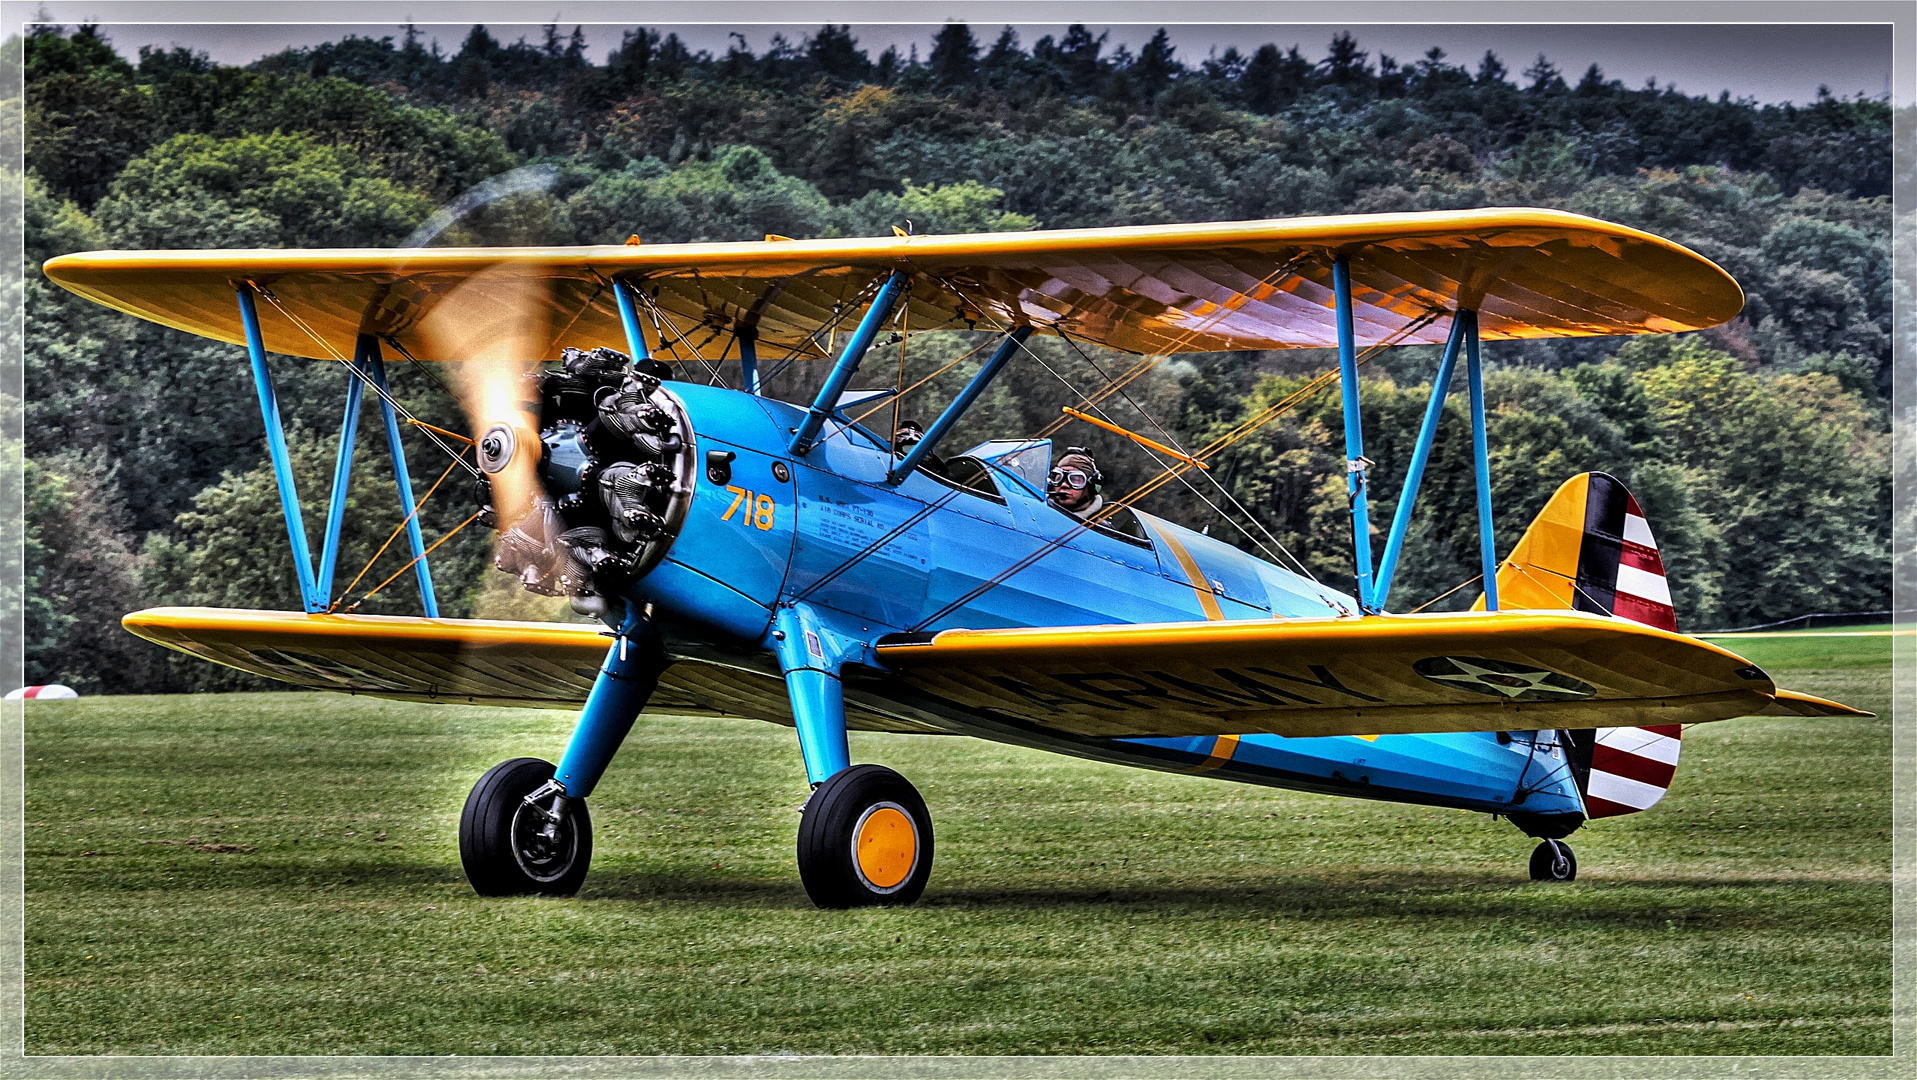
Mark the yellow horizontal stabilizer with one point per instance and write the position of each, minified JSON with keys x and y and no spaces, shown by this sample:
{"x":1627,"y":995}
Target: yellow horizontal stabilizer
{"x":1792,"y":703}
{"x":1162,"y":288}
{"x":1384,"y":674}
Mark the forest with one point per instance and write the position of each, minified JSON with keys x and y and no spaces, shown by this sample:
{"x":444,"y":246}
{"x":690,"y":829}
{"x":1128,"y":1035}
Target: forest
{"x":1760,"y":449}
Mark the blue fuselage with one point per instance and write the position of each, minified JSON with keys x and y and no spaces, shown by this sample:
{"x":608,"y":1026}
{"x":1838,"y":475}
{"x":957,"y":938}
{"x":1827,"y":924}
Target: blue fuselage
{"x":871,"y":558}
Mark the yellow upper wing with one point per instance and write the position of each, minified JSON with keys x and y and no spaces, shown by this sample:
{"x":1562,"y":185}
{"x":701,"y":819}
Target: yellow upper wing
{"x":1163,"y":288}
{"x":1386,"y":674}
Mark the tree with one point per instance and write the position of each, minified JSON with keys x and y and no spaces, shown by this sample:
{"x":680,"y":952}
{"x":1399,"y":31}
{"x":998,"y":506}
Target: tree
{"x":834,"y":51}
{"x":1345,"y":64}
{"x":1793,"y":471}
{"x":85,"y":117}
{"x":82,"y":576}
{"x":85,"y":52}
{"x":954,"y":59}
{"x":738,"y":195}
{"x":1491,"y":70}
{"x":954,"y":208}
{"x":1156,"y":65}
{"x":1077,"y":59}
{"x":473,"y":66}
{"x":1593,"y":84}
{"x":626,"y":66}
{"x":1273,"y":80}
{"x":1545,"y":77}
{"x":255,"y":191}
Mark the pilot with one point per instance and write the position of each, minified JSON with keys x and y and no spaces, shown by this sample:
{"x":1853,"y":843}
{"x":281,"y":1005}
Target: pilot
{"x":1074,"y":483}
{"x":909,"y":435}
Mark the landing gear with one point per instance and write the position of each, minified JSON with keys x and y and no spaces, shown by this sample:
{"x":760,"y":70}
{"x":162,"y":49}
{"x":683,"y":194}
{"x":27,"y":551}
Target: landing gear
{"x":1553,"y":861}
{"x":865,"y":840}
{"x":519,"y":834}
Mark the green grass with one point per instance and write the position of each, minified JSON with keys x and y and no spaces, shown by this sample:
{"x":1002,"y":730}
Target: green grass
{"x":277,"y":874}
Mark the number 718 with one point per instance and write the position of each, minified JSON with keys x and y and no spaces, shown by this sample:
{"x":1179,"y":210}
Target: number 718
{"x":758,"y":508}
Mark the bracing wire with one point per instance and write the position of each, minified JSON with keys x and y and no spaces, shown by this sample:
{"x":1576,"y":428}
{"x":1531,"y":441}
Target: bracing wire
{"x":1189,"y":462}
{"x":362,"y":376}
{"x":1461,"y":585}
{"x":1215,"y":482}
{"x":1244,"y":430}
{"x":1147,"y":363}
{"x":1178,"y":472}
{"x":662,"y":322}
{"x":792,"y":355}
{"x":477,"y":514}
{"x":397,"y":529}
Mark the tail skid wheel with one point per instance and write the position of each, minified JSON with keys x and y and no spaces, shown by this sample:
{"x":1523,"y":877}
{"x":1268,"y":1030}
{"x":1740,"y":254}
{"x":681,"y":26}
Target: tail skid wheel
{"x":1553,"y":861}
{"x":512,"y":847}
{"x":865,"y":840}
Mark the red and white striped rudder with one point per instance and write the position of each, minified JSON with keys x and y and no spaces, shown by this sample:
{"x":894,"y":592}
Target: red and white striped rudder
{"x":1591,"y":549}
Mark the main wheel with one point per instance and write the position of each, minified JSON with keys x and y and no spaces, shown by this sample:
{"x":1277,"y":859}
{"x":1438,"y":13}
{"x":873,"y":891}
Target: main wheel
{"x":1553,"y":861}
{"x":510,"y":847}
{"x":865,"y":840}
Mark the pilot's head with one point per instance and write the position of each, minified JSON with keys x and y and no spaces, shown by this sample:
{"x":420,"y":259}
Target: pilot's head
{"x":1074,"y":480}
{"x":910,"y":434}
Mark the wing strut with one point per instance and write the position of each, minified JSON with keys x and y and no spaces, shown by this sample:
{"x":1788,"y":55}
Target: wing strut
{"x":1464,"y":337}
{"x":1355,"y":460}
{"x":629,"y":321}
{"x":1006,"y":350}
{"x":848,"y":363}
{"x":367,"y":366}
{"x":748,"y":337}
{"x":1420,"y":456}
{"x":402,"y":477}
{"x":276,"y":449}
{"x":1481,"y":459}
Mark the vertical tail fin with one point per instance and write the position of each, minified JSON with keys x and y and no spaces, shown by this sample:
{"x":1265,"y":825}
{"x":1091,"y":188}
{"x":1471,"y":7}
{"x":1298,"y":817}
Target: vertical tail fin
{"x":1590,"y":549}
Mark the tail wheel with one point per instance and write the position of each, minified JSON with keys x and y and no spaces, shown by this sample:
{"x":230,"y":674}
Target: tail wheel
{"x":512,"y":847}
{"x":865,"y":840}
{"x":1553,"y":861}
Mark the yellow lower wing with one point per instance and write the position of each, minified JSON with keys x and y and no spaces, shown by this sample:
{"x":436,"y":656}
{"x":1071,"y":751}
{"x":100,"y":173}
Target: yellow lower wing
{"x":1378,"y":675}
{"x":472,"y":661}
{"x":1386,"y":674}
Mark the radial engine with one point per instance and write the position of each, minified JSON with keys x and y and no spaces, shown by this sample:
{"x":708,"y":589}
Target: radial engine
{"x":616,"y":472}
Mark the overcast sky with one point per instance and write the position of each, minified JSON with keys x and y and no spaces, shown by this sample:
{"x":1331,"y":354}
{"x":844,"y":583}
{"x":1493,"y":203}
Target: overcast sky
{"x":1767,"y":62}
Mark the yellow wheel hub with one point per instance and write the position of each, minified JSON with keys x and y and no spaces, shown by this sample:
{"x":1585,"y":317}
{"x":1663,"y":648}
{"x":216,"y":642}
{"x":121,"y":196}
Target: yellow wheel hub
{"x":885,"y":846}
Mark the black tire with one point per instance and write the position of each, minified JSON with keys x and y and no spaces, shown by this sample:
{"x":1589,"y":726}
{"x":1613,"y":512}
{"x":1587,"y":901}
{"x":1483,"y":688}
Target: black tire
{"x":873,"y":803}
{"x":1553,"y":861}
{"x":506,"y":847}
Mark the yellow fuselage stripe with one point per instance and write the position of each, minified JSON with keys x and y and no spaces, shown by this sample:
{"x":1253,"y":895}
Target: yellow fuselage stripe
{"x":1222,"y":748}
{"x":1199,"y":585}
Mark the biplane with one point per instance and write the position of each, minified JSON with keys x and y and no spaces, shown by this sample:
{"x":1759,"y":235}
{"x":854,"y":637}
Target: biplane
{"x":755,"y":557}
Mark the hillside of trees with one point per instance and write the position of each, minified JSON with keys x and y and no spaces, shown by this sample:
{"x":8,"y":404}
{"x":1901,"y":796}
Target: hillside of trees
{"x":1760,"y":449}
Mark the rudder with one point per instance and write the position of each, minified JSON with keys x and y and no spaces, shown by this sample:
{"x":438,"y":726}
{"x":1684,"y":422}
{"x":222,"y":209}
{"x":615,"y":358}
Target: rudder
{"x":1591,"y":549}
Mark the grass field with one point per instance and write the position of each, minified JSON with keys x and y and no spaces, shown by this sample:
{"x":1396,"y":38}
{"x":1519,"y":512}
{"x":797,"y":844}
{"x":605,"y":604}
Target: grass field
{"x":278,"y":874}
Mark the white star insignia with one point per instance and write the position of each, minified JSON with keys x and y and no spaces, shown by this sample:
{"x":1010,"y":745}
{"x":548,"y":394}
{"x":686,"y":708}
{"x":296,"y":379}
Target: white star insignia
{"x":1510,"y":684}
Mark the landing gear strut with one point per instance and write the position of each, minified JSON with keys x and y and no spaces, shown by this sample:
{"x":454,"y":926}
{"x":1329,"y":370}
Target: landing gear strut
{"x":1553,"y":861}
{"x":525,"y":828}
